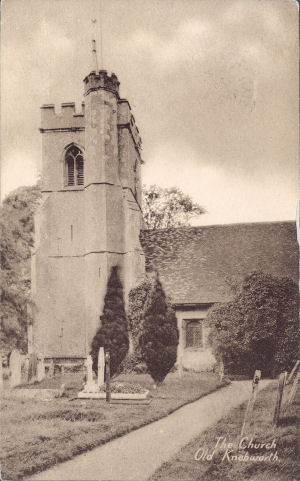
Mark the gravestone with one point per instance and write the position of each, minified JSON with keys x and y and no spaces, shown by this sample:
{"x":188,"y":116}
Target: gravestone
{"x":294,"y":389}
{"x":101,"y":366}
{"x":40,"y":369}
{"x":15,"y":368}
{"x":248,"y":417}
{"x":51,"y":369}
{"x":1,"y":372}
{"x":281,"y":384}
{"x":26,"y":369}
{"x":32,"y":371}
{"x":221,"y":370}
{"x":180,"y":362}
{"x":90,"y":385}
{"x":294,"y":370}
{"x":107,"y":376}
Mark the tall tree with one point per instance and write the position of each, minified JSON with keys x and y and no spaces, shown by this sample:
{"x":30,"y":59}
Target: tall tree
{"x":170,"y":207}
{"x":159,"y":338}
{"x":17,"y":239}
{"x":259,"y":329}
{"x":112,"y":333}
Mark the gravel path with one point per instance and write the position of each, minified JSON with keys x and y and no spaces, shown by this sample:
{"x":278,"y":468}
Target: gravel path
{"x":135,"y":456}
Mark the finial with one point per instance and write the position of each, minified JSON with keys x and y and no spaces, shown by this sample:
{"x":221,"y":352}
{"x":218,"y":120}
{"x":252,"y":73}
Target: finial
{"x":99,"y":35}
{"x":94,"y":53}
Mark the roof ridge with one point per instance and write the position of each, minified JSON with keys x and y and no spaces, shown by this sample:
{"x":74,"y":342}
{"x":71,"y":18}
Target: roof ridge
{"x":221,"y":225}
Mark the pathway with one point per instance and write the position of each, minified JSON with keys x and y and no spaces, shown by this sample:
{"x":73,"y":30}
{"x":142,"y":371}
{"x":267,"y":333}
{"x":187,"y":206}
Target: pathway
{"x":135,"y":456}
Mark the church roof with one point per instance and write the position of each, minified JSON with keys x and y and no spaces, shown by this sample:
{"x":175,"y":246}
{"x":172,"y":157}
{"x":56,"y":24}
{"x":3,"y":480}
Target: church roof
{"x":198,"y":264}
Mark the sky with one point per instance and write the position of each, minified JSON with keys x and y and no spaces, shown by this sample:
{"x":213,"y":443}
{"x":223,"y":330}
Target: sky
{"x":213,"y":85}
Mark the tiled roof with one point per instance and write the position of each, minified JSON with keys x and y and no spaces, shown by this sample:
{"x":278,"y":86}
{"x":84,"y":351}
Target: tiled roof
{"x":197,"y":264}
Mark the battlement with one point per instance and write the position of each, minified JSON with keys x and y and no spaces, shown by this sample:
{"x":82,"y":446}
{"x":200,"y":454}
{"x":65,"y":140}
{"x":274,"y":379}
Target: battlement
{"x":127,"y":120}
{"x":101,"y":80}
{"x":68,"y":119}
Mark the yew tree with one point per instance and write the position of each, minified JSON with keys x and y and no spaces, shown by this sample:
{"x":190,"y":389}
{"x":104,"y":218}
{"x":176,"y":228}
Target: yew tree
{"x":159,"y":338}
{"x":112,"y":333}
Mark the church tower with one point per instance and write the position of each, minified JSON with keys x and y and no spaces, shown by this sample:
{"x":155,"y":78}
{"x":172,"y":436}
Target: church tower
{"x":89,"y":218}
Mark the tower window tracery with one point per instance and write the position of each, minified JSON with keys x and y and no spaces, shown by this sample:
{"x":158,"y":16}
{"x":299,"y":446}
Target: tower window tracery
{"x":74,"y":166}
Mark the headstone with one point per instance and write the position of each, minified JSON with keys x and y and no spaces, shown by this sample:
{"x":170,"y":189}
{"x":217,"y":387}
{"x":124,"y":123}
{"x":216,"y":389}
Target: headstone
{"x":180,"y":362}
{"x":15,"y":368}
{"x":90,"y":385}
{"x":221,"y":370}
{"x":248,"y":418}
{"x":32,"y":371}
{"x":101,"y":366}
{"x":40,"y":369}
{"x":107,"y":376}
{"x":51,"y":369}
{"x":1,"y":372}
{"x":281,"y":384}
{"x":26,"y":369}
{"x":89,"y":370}
{"x":293,"y":371}
{"x":294,"y":389}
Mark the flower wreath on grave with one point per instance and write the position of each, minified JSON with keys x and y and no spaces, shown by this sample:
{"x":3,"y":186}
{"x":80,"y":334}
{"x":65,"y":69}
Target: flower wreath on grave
{"x":125,"y":388}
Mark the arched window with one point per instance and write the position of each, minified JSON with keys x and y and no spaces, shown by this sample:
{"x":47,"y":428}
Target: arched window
{"x":193,"y":333}
{"x":74,"y":166}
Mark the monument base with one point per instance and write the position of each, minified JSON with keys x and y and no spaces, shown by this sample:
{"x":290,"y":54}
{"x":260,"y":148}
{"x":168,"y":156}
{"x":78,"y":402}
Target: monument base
{"x":113,"y":395}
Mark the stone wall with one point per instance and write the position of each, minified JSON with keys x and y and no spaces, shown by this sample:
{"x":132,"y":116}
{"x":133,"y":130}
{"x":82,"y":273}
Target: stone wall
{"x":84,"y":230}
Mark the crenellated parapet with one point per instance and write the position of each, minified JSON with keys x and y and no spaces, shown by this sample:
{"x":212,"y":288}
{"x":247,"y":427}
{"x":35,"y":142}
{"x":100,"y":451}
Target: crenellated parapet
{"x":126,"y":120}
{"x":67,"y":120}
{"x":96,"y":81}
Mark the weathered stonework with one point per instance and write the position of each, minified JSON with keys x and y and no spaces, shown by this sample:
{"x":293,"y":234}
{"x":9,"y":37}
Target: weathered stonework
{"x":83,"y":230}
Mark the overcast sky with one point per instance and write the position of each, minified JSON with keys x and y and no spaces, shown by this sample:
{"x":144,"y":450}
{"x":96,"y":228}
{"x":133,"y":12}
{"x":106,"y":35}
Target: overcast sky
{"x":213,"y":85}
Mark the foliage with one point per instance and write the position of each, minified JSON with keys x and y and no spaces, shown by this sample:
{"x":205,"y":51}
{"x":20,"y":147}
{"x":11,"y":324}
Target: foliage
{"x":112,"y":334}
{"x":133,"y":363}
{"x":136,"y":309}
{"x":259,"y":329}
{"x":137,"y":300}
{"x":159,"y":339}
{"x":17,"y":239}
{"x":168,"y":207}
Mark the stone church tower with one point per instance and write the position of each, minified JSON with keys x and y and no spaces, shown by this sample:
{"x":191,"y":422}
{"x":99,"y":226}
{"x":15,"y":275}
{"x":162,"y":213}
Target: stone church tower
{"x":90,"y":216}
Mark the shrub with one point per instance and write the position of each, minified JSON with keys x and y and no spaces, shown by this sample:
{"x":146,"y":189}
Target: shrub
{"x":136,"y":309}
{"x":112,"y":334}
{"x":159,"y":339}
{"x":133,"y":363}
{"x":259,"y":329}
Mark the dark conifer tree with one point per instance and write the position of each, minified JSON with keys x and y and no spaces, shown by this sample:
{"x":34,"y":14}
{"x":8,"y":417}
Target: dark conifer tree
{"x":159,"y":339}
{"x":113,"y":333}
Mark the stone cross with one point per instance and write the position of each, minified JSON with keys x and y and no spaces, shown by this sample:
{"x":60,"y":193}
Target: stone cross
{"x":89,"y":370}
{"x":101,"y":366}
{"x":15,"y":363}
{"x":90,"y":385}
{"x":40,"y":369}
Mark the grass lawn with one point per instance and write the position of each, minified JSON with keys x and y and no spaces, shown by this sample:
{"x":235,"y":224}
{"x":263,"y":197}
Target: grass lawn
{"x":184,"y":466}
{"x":37,"y":434}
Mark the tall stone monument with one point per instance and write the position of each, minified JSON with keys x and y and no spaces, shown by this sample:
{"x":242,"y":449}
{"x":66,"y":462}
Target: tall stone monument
{"x":101,"y":366}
